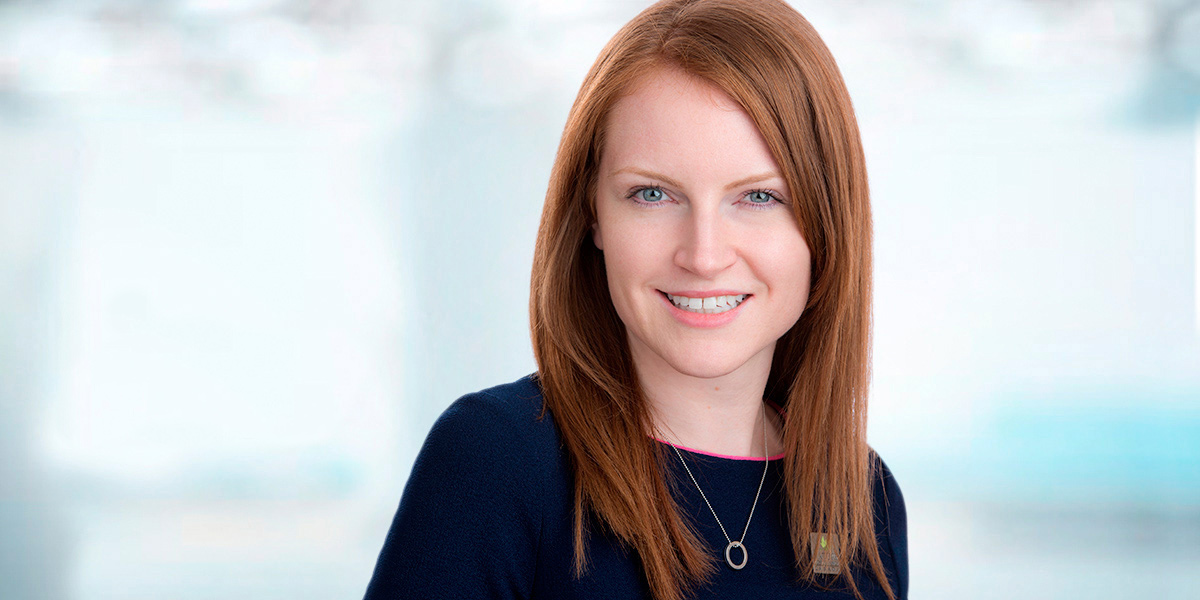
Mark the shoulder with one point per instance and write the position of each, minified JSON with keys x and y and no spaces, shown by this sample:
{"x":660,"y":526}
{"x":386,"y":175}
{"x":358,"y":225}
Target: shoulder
{"x":514,"y":400}
{"x":502,"y":432}
{"x":891,"y":519}
{"x":474,"y":505}
{"x":503,"y":420}
{"x":884,"y":481}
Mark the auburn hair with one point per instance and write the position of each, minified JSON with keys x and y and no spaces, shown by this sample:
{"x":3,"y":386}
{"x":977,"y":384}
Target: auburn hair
{"x":768,"y":58}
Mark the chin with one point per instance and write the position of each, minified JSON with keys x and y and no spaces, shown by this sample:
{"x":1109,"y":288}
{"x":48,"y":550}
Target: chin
{"x":705,"y":367}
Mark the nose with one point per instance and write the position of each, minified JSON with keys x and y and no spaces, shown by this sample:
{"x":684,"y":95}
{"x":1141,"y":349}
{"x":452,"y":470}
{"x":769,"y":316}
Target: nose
{"x":707,"y":246}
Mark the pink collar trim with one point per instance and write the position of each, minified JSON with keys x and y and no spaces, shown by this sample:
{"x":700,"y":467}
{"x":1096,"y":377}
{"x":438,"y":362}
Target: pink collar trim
{"x":758,"y":458}
{"x":726,"y":456}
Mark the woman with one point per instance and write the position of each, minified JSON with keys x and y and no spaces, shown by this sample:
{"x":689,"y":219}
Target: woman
{"x":700,"y":307}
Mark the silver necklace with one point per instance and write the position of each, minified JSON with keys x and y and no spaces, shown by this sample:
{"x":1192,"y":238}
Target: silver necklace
{"x":732,"y":544}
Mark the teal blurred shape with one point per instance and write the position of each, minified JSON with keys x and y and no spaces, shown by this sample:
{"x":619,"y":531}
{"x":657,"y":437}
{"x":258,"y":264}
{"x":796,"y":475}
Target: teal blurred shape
{"x":1167,"y":97}
{"x":1109,"y":446}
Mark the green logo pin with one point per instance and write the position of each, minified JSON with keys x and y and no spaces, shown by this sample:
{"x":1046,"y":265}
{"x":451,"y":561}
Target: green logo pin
{"x":822,"y":541}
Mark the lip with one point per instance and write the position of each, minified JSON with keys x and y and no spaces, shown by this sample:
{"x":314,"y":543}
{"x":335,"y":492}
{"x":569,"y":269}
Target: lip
{"x":704,"y":294}
{"x":701,"y":320}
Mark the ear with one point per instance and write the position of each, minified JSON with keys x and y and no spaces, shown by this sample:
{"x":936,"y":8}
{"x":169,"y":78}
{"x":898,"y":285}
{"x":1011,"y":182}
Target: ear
{"x":596,"y":238}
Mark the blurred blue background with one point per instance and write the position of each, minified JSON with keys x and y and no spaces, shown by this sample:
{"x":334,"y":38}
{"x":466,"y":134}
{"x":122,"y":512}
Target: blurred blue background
{"x":250,"y":249}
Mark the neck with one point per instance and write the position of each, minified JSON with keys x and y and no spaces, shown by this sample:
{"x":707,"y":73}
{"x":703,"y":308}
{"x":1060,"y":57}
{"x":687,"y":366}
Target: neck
{"x":719,"y":415}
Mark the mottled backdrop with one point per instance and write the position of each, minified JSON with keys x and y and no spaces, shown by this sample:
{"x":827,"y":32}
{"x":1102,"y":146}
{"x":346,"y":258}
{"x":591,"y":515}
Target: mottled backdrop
{"x":249,"y":250}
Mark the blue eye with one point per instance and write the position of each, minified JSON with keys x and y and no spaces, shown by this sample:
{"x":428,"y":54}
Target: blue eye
{"x":650,"y":195}
{"x":762,"y":199}
{"x":759,"y":197}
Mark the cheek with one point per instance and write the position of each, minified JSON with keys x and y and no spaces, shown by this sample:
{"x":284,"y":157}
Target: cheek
{"x":629,"y":257}
{"x":633,"y":259}
{"x":788,"y":265}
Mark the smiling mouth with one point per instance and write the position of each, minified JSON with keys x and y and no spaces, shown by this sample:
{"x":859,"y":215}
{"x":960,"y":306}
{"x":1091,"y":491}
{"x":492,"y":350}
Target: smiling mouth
{"x":708,"y":306}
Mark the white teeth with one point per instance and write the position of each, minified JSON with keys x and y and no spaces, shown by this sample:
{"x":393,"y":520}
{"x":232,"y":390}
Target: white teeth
{"x":710,"y":305}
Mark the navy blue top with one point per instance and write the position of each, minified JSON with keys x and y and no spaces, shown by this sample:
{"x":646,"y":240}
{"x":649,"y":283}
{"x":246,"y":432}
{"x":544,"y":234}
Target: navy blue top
{"x":488,"y":509}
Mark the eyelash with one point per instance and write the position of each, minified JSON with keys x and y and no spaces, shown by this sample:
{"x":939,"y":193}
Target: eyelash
{"x":632,"y":195}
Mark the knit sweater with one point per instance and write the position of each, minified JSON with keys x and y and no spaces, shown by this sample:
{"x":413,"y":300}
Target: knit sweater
{"x":488,"y":510}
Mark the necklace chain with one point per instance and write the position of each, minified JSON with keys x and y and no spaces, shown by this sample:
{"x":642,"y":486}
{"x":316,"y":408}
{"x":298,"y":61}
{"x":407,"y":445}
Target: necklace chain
{"x":732,"y":544}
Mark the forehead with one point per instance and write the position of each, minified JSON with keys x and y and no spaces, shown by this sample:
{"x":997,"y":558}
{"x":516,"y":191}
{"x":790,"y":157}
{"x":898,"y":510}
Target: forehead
{"x":673,"y":121}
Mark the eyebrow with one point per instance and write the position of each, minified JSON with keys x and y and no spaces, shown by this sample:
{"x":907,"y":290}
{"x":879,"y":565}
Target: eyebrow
{"x":669,"y":181}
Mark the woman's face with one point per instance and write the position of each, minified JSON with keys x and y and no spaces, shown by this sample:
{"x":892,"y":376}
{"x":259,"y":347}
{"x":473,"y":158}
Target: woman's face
{"x":706,"y":264}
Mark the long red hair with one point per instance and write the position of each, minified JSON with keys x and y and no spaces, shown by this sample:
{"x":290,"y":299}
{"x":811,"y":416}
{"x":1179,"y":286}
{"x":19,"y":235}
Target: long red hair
{"x":770,"y":59}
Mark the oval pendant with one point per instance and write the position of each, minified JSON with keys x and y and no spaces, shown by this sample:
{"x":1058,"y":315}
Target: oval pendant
{"x":745,"y":555}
